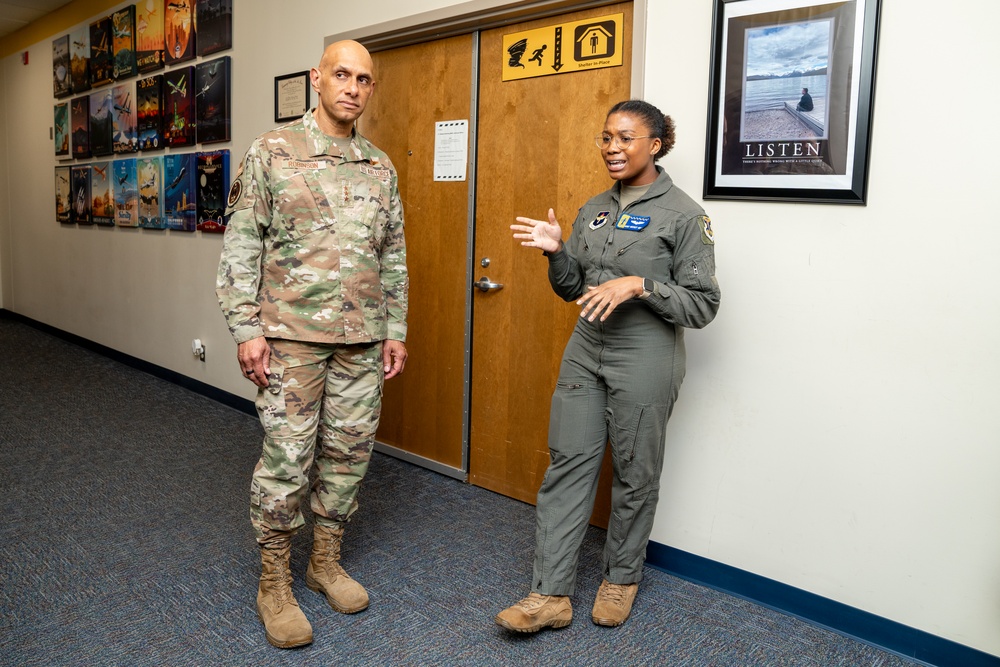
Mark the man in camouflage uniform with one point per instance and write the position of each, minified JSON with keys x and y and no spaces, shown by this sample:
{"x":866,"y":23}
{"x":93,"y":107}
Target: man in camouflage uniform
{"x":313,"y":285}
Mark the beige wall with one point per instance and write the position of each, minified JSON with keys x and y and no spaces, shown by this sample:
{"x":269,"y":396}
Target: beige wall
{"x":837,"y":430}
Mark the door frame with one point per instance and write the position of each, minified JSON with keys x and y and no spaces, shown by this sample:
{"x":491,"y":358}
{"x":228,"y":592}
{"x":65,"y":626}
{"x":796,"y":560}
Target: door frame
{"x":466,"y":18}
{"x":474,"y":16}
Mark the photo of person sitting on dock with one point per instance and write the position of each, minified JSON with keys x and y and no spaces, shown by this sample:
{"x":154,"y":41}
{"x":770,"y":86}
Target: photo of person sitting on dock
{"x":806,"y":103}
{"x":784,"y":63}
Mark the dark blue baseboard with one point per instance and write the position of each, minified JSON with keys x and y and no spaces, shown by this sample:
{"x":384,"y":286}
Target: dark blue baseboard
{"x":855,"y":623}
{"x":207,"y":390}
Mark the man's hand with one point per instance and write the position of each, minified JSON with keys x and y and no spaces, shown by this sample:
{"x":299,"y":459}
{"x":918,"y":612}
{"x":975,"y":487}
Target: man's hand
{"x":254,"y":356}
{"x":603,"y":299}
{"x":393,"y":357}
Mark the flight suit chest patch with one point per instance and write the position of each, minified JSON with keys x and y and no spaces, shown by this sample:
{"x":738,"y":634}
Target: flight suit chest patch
{"x":599,"y":221}
{"x":632,"y":223}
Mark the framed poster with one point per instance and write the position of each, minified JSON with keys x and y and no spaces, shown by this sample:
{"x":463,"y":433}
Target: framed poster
{"x":149,"y":172}
{"x":123,"y":25}
{"x":180,"y":209}
{"x":178,"y":109}
{"x":149,"y":36}
{"x":101,"y":61}
{"x":149,"y":104}
{"x":212,"y":101}
{"x":126,"y":192}
{"x":790,"y":100}
{"x":178,"y":32}
{"x":213,"y":185}
{"x":62,"y":79}
{"x":102,"y":123}
{"x":102,"y":207}
{"x":63,"y":196}
{"x":79,"y":59}
{"x":125,"y":134}
{"x":214,"y":20}
{"x":79,"y":119}
{"x":291,"y":96}
{"x":60,"y":124}
{"x":80,"y":178}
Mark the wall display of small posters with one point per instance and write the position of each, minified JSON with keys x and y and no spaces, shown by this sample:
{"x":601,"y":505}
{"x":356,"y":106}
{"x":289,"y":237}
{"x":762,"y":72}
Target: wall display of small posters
{"x":101,"y":60}
{"x":149,"y":171}
{"x":178,"y":107}
{"x":63,"y":196}
{"x":149,"y":35}
{"x":213,"y":186}
{"x":79,"y":59}
{"x":214,"y":21}
{"x":149,"y":103}
{"x":125,"y":133}
{"x":80,"y":207}
{"x":60,"y":124}
{"x":180,"y":210}
{"x":123,"y":25}
{"x":62,"y":81}
{"x":102,"y":124}
{"x":126,"y":192}
{"x":212,"y":100}
{"x":178,"y":32}
{"x":79,"y":119}
{"x":102,"y":203}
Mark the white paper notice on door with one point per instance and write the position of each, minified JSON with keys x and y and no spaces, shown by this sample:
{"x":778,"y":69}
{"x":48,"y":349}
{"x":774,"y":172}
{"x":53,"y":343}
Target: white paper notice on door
{"x":451,"y":149}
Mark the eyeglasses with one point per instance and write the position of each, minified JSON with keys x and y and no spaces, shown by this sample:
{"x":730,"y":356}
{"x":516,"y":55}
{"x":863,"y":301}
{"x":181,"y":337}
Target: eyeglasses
{"x":604,"y":140}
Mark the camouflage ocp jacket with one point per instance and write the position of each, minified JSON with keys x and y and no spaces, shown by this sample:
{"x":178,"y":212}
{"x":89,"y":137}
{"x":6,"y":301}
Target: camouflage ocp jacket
{"x":314,"y":248}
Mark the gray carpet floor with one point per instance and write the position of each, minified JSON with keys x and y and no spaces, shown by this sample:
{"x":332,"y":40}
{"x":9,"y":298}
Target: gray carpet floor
{"x":125,"y":540}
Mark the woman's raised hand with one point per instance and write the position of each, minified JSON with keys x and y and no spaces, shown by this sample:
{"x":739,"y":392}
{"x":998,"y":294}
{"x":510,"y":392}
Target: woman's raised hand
{"x":546,"y":236}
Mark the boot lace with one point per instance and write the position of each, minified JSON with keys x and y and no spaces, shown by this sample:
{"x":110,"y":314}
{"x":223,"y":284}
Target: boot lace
{"x":280,"y":580}
{"x":533,"y":602}
{"x":614,"y":593}
{"x":330,"y":560}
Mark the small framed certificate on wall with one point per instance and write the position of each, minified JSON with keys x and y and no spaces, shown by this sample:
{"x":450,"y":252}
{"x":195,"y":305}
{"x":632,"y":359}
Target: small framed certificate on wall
{"x":291,"y":96}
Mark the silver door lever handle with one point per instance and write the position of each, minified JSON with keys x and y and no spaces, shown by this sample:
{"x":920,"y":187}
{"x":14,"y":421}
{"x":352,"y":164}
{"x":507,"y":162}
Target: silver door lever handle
{"x":485,"y":284}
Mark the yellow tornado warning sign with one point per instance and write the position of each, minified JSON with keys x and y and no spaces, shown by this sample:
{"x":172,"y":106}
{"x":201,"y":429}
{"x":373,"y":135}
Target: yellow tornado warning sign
{"x":564,"y":47}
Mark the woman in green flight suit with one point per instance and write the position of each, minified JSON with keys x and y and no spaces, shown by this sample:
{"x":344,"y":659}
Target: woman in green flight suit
{"x":641,"y":263}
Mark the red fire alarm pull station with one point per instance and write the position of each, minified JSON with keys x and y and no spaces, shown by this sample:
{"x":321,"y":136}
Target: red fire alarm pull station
{"x":24,"y":58}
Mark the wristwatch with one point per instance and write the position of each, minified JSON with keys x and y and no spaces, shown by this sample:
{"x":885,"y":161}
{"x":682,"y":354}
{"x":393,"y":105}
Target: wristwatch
{"x":647,"y":288}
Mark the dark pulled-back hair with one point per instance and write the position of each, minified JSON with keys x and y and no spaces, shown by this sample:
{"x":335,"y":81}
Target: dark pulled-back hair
{"x":660,"y":125}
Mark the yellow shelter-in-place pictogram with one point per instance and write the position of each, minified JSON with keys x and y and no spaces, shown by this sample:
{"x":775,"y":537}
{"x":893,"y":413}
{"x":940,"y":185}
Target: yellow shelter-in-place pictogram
{"x":564,"y":47}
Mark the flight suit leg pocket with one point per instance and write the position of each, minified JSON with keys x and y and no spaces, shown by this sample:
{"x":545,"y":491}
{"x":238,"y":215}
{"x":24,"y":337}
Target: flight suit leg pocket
{"x":636,"y":434}
{"x":576,"y":419}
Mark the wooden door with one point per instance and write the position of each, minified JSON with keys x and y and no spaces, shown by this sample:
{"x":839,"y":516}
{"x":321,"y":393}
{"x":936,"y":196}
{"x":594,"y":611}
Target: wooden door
{"x":415,"y":87}
{"x":536,"y":151}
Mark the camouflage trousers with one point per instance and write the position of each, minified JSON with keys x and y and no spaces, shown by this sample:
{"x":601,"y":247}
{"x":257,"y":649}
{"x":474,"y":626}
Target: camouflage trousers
{"x":322,"y":404}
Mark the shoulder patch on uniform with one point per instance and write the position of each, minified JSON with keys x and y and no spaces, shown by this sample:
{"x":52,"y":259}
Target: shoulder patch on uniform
{"x":707,"y":235}
{"x":235,"y":192}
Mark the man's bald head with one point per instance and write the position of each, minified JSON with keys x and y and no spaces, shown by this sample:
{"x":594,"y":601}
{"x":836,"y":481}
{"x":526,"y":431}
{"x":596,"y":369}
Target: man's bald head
{"x":344,"y":81}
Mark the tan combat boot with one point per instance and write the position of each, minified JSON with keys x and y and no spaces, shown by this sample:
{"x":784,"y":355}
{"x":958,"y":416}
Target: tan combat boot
{"x":325,"y":575}
{"x":614,"y":603}
{"x":284,"y":623}
{"x":536,"y":612}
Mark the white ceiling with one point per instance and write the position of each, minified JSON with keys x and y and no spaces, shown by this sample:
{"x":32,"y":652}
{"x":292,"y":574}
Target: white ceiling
{"x":15,"y":14}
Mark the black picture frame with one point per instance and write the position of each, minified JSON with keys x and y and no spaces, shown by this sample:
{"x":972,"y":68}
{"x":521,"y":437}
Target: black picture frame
{"x":762,"y":144}
{"x":291,"y":96}
{"x":213,"y":100}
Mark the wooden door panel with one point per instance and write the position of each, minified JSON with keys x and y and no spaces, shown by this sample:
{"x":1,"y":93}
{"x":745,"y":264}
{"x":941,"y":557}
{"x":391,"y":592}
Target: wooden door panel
{"x":415,"y":87}
{"x":535,"y":151}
